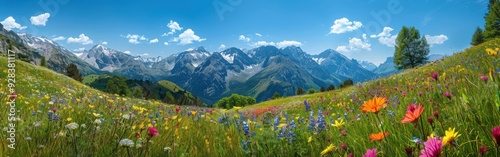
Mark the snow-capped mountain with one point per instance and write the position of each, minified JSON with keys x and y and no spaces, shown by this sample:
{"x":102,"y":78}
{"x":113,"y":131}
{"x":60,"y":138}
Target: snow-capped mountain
{"x":56,"y":56}
{"x":149,"y":62}
{"x":367,"y":65}
{"x":339,"y":64}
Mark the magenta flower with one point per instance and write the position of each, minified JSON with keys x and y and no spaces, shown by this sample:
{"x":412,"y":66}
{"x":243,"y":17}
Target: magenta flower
{"x":54,"y":110}
{"x":371,"y":153}
{"x":434,"y":75}
{"x":496,"y":134}
{"x":436,"y":114}
{"x":432,"y":148}
{"x":447,"y":94}
{"x":482,"y":149}
{"x":177,"y":109}
{"x":419,"y":93}
{"x":152,"y":132}
{"x":484,"y":78}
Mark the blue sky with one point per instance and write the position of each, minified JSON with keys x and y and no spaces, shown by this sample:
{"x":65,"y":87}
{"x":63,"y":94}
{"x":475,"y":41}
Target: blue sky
{"x":360,"y":29}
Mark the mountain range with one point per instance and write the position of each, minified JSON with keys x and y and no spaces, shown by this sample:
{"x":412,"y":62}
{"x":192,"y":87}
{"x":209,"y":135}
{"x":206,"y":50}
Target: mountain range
{"x":258,"y":72}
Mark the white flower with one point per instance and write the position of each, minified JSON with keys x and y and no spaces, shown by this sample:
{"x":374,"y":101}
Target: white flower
{"x":62,"y":133}
{"x":38,"y":124}
{"x":126,"y":143}
{"x":72,"y":126}
{"x":167,"y":149}
{"x":138,"y":146}
{"x":126,"y":116}
{"x":28,"y":138}
{"x":83,"y":126}
{"x":97,"y":121}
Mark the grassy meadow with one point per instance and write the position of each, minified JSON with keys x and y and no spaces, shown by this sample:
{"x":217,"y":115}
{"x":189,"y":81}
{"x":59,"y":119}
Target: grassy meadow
{"x":457,"y":100}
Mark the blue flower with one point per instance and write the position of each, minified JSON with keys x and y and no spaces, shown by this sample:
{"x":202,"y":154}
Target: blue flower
{"x":276,"y":123}
{"x":312,"y":122}
{"x":56,"y":117}
{"x":308,"y":105}
{"x":391,"y":113}
{"x":244,"y":145}
{"x":246,"y":129}
{"x":321,"y":121}
{"x":50,"y":115}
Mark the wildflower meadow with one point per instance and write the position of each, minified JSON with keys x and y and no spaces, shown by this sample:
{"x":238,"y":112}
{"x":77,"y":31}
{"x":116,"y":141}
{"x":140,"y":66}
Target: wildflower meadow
{"x":449,"y":107}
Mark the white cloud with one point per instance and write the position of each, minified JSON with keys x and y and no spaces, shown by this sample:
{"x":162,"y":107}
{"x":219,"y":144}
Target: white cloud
{"x":342,"y":49}
{"x":144,"y":54}
{"x":258,"y":34}
{"x":79,"y":49}
{"x":40,"y":20}
{"x":104,"y":43}
{"x":187,"y":37}
{"x":58,"y":38}
{"x":174,"y":26}
{"x":286,"y":43}
{"x":165,"y":43}
{"x":243,"y":38}
{"x":385,"y":37}
{"x":9,"y":23}
{"x":153,"y":41}
{"x":127,"y":52}
{"x":82,"y":39}
{"x":364,"y":36}
{"x":354,"y":45}
{"x":222,"y":46}
{"x":436,"y":40}
{"x":263,"y":43}
{"x":343,"y":25}
{"x":134,"y":38}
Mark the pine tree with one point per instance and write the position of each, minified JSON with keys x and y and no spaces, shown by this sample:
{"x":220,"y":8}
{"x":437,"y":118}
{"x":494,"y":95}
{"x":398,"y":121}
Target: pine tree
{"x":43,"y":63}
{"x":477,"y":38}
{"x":492,"y":27}
{"x":117,"y":85}
{"x":411,"y":49}
{"x":137,"y":93}
{"x":72,"y":71}
{"x":276,"y":95}
{"x":322,"y":89}
{"x":300,"y":91}
{"x":331,"y":87}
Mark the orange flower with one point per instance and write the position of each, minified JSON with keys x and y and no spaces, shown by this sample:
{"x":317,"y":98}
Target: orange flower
{"x":374,"y":104}
{"x":378,"y":136}
{"x":413,"y":115}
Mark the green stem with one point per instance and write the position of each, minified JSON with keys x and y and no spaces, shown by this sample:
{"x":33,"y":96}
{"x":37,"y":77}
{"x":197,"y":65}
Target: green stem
{"x":422,"y":128}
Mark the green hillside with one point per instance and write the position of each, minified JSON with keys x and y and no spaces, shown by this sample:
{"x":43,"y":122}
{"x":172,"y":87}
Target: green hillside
{"x":458,"y":94}
{"x":150,"y":90}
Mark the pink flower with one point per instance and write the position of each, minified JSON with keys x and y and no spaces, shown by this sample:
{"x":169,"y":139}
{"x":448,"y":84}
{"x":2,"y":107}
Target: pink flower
{"x":371,"y":153}
{"x":152,"y":132}
{"x":432,"y":148}
{"x":411,"y":107}
{"x":496,"y":134}
{"x":54,"y":110}
{"x":177,"y":109}
{"x":434,"y":75}
{"x":484,"y":78}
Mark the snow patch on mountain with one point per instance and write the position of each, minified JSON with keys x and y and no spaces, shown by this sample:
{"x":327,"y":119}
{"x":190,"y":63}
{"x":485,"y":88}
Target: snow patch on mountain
{"x":318,"y":60}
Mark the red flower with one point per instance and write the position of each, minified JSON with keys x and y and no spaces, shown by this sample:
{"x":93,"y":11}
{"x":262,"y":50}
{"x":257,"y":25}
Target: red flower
{"x":54,"y":110}
{"x":177,"y":109}
{"x":412,"y":114}
{"x":482,"y":149}
{"x":496,"y":134}
{"x":152,"y":132}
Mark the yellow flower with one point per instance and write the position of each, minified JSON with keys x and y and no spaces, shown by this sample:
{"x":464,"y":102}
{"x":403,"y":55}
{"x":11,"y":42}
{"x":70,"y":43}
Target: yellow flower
{"x":281,"y":125}
{"x":69,"y":119}
{"x":492,"y":52}
{"x":328,"y":149}
{"x":174,"y":117}
{"x":193,"y":113}
{"x":133,"y":127}
{"x":450,"y":137}
{"x":91,"y":106}
{"x":338,"y":124}
{"x":96,"y":114}
{"x":237,"y":108}
{"x":310,"y":139}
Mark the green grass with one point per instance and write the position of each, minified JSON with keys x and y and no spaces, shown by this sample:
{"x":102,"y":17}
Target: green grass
{"x":471,"y":110}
